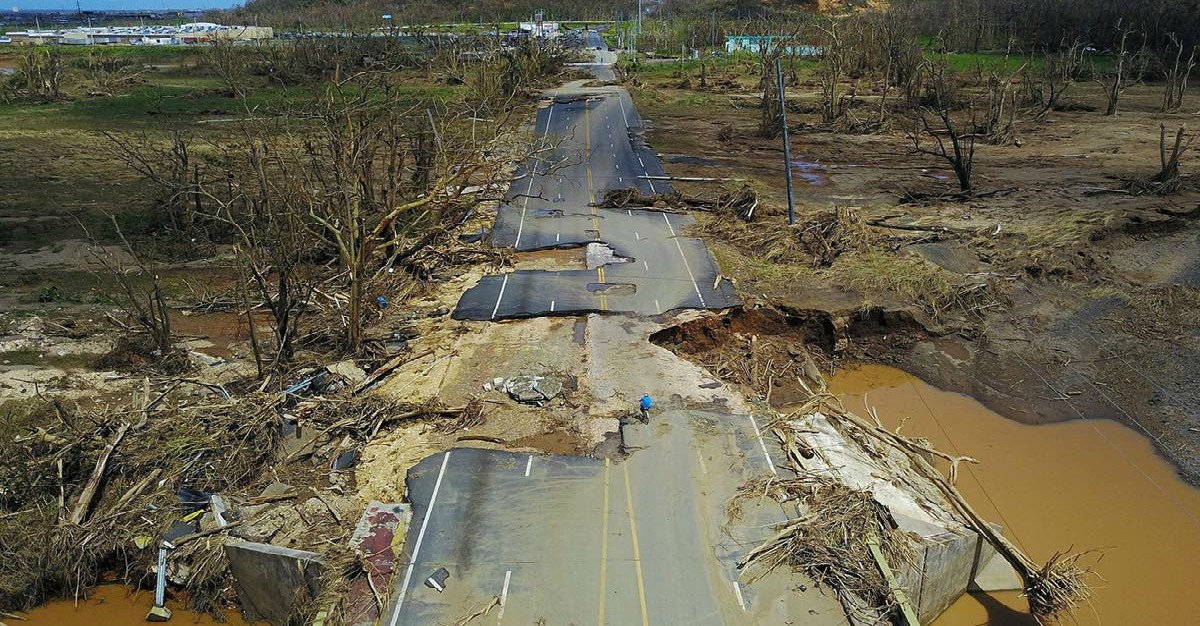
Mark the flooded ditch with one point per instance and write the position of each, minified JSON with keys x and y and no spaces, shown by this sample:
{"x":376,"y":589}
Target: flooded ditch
{"x":1076,"y":485}
{"x":116,"y":605}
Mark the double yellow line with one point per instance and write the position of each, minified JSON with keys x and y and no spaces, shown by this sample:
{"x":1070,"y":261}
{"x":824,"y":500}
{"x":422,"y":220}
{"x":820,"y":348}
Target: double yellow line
{"x":637,"y":552}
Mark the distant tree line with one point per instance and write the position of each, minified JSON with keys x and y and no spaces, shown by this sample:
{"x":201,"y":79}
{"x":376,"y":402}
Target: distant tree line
{"x":362,"y":14}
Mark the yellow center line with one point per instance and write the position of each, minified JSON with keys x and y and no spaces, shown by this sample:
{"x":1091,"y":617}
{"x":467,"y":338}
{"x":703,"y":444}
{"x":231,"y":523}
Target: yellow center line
{"x":587,"y":155}
{"x":604,"y":548}
{"x":637,"y":554}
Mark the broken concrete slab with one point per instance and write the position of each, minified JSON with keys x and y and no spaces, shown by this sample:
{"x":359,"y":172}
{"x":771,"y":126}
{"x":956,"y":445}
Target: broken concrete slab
{"x":271,"y":581}
{"x":601,"y":254}
{"x":532,"y":389}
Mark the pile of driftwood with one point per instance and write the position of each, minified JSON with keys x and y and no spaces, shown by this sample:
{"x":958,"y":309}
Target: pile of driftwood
{"x":740,"y":201}
{"x":816,"y":541}
{"x":85,"y":486}
{"x":827,"y":542}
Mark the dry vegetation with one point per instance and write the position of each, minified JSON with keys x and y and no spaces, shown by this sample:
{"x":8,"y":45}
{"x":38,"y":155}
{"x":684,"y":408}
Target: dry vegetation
{"x":990,"y":194}
{"x":229,"y":220}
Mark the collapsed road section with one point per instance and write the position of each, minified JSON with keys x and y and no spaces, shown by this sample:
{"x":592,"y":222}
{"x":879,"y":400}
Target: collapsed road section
{"x":591,"y":144}
{"x":713,"y":509}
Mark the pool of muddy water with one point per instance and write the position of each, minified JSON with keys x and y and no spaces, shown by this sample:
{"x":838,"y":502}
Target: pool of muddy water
{"x":1086,"y":484}
{"x":115,"y":605}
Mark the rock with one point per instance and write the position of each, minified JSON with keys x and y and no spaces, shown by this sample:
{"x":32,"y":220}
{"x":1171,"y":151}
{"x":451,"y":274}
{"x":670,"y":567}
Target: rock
{"x":203,"y":359}
{"x":349,"y":370}
{"x":159,"y":614}
{"x":532,"y":389}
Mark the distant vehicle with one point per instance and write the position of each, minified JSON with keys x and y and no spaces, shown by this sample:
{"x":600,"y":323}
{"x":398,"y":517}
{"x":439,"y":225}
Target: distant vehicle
{"x":4,"y":39}
{"x":599,"y":47}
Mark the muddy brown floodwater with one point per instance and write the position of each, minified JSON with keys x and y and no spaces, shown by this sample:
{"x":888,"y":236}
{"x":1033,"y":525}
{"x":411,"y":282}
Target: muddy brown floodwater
{"x":1074,"y":485}
{"x":116,"y":605}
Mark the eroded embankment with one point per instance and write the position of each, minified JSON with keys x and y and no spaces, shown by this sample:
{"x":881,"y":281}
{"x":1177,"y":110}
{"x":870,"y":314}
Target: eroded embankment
{"x":767,"y":347}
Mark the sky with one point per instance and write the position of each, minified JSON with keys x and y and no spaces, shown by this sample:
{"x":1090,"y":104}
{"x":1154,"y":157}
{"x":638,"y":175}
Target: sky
{"x":108,"y":5}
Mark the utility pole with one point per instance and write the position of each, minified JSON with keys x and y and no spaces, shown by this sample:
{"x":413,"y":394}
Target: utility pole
{"x":639,"y":33}
{"x":787,"y":148}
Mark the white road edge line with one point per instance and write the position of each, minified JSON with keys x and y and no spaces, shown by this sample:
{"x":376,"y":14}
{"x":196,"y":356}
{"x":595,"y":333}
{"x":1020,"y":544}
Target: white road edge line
{"x":528,"y":464}
{"x":762,"y":443}
{"x":420,"y":537}
{"x":500,"y":297}
{"x":504,"y":594}
{"x":646,"y":265}
{"x":737,"y":591}
{"x":621,"y":101}
{"x":686,"y":266}
{"x":551,"y":310}
{"x":657,"y":308}
{"x":532,"y":171}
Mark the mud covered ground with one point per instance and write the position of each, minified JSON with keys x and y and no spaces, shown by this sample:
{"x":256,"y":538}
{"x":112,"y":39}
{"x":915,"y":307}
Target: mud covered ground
{"x":1058,"y":296}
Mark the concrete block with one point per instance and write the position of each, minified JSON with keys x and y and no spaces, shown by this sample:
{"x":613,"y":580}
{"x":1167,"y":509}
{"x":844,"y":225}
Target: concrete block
{"x":948,"y":563}
{"x":270,"y":580}
{"x":996,"y":574}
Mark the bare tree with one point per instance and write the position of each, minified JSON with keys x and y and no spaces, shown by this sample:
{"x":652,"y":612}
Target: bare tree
{"x":938,"y":134}
{"x":350,"y":181}
{"x":173,"y":170}
{"x":38,"y":76}
{"x":106,"y":74}
{"x":230,"y":63}
{"x":1167,"y":180}
{"x":274,"y":244}
{"x":835,"y":102}
{"x":1115,"y":81}
{"x":144,"y":304}
{"x":1177,"y":76}
{"x":1043,"y":90}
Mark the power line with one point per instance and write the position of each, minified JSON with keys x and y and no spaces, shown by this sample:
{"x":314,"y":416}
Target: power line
{"x":1114,"y":446}
{"x":1007,"y":524}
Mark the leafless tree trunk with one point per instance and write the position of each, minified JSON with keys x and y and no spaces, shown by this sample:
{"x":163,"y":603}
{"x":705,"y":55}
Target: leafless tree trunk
{"x":1115,"y":82}
{"x":1167,"y":180}
{"x":1177,"y":76}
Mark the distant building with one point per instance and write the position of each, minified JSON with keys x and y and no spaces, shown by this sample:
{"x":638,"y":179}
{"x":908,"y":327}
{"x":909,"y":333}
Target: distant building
{"x":195,"y":32}
{"x":539,"y":29}
{"x":755,"y":43}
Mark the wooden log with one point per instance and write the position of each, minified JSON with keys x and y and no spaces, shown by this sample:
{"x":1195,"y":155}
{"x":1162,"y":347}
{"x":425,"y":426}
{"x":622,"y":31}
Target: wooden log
{"x":93,"y":484}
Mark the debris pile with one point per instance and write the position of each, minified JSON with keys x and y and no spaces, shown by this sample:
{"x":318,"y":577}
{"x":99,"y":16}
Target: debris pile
{"x":184,"y":467}
{"x":859,"y":488}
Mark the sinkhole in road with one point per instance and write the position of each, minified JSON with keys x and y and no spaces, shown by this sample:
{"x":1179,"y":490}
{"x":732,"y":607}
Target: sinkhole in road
{"x":612,"y":289}
{"x":570,"y":257}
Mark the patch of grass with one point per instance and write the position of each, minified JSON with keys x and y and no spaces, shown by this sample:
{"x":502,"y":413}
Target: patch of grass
{"x":47,"y":358}
{"x":908,"y":279}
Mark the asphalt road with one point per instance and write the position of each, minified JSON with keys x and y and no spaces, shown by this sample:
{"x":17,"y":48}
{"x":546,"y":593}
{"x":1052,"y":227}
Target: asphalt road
{"x":574,"y":540}
{"x":639,"y":538}
{"x":595,"y":139}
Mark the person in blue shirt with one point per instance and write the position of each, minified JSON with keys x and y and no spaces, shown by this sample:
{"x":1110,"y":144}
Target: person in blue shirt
{"x":645,"y":405}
